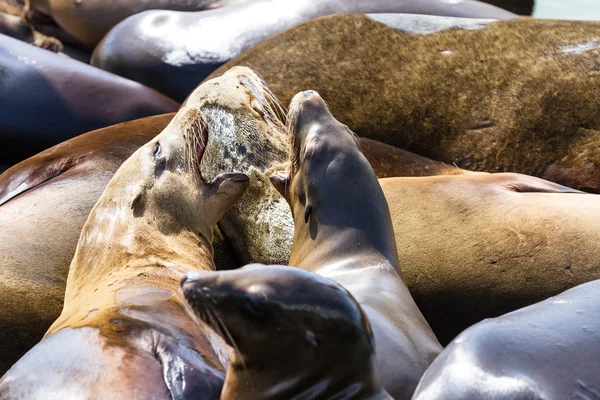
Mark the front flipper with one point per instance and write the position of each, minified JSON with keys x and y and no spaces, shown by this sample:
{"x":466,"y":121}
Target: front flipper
{"x":187,"y":375}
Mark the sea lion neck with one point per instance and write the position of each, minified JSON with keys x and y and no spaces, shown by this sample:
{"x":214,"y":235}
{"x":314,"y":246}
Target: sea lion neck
{"x":336,"y":201}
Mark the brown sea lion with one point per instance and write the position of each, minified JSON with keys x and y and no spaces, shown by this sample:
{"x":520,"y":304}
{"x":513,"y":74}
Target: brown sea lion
{"x":70,"y":98}
{"x":84,"y":23}
{"x":124,"y":331}
{"x":545,"y":351}
{"x":44,"y":203}
{"x":343,"y":231}
{"x":173,"y":51}
{"x":494,"y":97}
{"x":265,"y":312}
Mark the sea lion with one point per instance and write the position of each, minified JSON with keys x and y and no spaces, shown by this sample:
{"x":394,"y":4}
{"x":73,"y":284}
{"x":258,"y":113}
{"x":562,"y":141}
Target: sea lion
{"x":44,"y":203}
{"x":153,"y":222}
{"x":84,"y":23}
{"x":486,"y":96}
{"x":548,"y":350}
{"x":173,"y":51}
{"x":265,"y":312}
{"x":70,"y":98}
{"x":343,"y":231}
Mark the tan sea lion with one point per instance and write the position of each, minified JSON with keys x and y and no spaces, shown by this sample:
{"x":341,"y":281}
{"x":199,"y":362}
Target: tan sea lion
{"x":548,"y":350}
{"x":265,"y":312}
{"x":487,"y":96}
{"x":71,"y":98}
{"x":475,"y":247}
{"x":174,"y":51}
{"x":124,"y":331}
{"x":343,"y":231}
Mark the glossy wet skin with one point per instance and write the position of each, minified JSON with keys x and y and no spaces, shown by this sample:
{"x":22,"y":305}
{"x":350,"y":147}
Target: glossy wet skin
{"x":66,"y":97}
{"x":267,"y":311}
{"x":545,"y":351}
{"x":153,"y":223}
{"x":343,"y":231}
{"x":85,"y":23}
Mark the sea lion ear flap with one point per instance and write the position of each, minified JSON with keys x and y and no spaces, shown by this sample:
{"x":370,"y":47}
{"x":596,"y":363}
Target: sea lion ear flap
{"x":225,"y":190}
{"x":138,"y":203}
{"x":281,"y":182}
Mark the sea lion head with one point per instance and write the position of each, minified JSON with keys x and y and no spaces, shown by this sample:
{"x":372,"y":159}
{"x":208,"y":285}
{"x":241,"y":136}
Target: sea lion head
{"x":158,"y":207}
{"x":249,"y":137}
{"x":286,"y":324}
{"x":164,"y":185}
{"x":325,"y":154}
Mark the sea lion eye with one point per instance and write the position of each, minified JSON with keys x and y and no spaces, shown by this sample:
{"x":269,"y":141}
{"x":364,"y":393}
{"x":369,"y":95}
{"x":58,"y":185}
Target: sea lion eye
{"x":157,"y":150}
{"x":256,"y":312}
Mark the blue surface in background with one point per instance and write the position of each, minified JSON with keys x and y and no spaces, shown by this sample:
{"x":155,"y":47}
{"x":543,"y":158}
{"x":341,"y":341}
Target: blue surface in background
{"x":567,"y":9}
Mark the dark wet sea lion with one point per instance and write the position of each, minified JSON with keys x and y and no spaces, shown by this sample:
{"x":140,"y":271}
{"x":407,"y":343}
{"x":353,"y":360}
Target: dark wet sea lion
{"x":545,"y":351}
{"x":494,"y":97}
{"x":173,"y":52}
{"x":265,"y":312}
{"x":124,"y":321}
{"x":343,"y":231}
{"x":86,"y":22}
{"x":53,"y":98}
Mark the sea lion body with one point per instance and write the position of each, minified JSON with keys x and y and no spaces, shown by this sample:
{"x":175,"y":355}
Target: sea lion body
{"x":180,"y":50}
{"x":545,"y":351}
{"x":343,"y":231}
{"x":85,"y":22}
{"x":123,"y":311}
{"x":44,"y":203}
{"x":70,"y":98}
{"x":266,"y":311}
{"x":475,"y":247}
{"x":486,"y":96}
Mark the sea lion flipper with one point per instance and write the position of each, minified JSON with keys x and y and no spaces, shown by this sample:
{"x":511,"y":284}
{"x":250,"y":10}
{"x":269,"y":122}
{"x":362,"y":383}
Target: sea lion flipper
{"x":281,"y":182}
{"x":528,"y":184}
{"x":187,"y":375}
{"x":12,"y":184}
